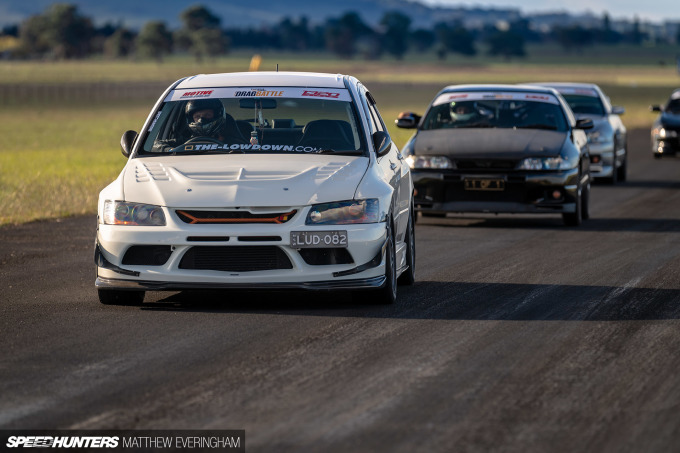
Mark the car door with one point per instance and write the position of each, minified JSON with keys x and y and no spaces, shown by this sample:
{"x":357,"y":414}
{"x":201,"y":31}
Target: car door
{"x":395,"y":171}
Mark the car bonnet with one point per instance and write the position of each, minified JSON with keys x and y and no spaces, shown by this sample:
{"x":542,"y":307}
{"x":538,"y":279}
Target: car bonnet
{"x":243,"y":180}
{"x":669,"y":119}
{"x":501,"y":143}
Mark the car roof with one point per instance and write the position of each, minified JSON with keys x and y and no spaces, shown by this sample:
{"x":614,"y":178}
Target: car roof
{"x":264,"y":78}
{"x":498,"y":87}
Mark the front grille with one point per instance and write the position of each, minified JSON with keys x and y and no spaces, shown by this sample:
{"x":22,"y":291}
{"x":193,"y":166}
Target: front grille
{"x":450,"y":191}
{"x":216,"y":217}
{"x":235,"y":259}
{"x":486,"y":164}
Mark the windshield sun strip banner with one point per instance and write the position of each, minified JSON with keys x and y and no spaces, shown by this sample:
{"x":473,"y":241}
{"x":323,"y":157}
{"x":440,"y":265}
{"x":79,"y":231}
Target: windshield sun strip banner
{"x":495,"y":96}
{"x":329,"y":94}
{"x":580,"y":91}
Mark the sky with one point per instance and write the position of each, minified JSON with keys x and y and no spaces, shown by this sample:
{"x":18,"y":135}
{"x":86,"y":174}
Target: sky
{"x":654,"y":10}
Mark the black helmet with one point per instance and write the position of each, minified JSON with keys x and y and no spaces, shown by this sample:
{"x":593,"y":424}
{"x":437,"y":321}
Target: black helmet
{"x":203,"y":104}
{"x":205,"y":128}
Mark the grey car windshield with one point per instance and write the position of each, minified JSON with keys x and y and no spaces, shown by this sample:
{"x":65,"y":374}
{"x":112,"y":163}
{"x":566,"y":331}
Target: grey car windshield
{"x":587,"y":105}
{"x":496,"y":113}
{"x":306,"y":122}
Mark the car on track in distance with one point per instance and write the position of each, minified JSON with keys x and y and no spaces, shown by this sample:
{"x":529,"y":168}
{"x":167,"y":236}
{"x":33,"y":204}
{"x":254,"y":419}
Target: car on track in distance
{"x":259,"y":180}
{"x":666,"y":127}
{"x":499,"y":149}
{"x":607,"y":140}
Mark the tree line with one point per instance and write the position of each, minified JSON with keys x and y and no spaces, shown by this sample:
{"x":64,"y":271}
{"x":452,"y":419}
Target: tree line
{"x":61,"y":32}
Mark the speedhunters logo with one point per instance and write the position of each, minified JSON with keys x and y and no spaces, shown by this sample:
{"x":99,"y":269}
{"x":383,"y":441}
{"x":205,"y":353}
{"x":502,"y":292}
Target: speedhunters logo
{"x":258,"y":92}
{"x":125,"y":440}
{"x":62,"y":442}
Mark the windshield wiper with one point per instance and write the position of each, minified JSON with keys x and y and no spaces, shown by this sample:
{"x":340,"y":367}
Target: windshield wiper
{"x":537,"y":126}
{"x":475,"y":125}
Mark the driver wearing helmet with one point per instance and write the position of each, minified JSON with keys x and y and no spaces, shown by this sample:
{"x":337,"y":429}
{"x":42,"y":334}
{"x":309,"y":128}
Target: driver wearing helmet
{"x":463,"y":112}
{"x":204,"y":118}
{"x":207,"y":118}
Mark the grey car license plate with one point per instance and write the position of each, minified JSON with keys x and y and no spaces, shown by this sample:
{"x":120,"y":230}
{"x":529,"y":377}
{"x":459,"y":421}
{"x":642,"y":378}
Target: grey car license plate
{"x":318,"y":239}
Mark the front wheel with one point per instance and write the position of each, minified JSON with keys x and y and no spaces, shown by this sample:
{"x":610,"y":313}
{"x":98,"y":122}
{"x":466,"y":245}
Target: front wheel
{"x":388,"y":293}
{"x":623,"y":169}
{"x":585,"y":203}
{"x":575,"y":218}
{"x":613,"y":179}
{"x":408,"y":277}
{"x":118,"y":297}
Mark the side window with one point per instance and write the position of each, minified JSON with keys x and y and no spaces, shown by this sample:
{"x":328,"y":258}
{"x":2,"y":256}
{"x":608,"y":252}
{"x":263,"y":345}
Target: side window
{"x":375,"y":115}
{"x":371,"y":121}
{"x":568,"y":112}
{"x":376,"y":118}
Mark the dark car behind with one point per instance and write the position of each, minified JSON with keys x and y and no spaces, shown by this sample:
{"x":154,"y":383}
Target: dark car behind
{"x":666,"y":127}
{"x":514,"y":149}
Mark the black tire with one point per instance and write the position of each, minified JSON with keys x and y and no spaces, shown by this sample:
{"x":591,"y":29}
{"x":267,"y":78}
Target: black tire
{"x":118,"y":297}
{"x":657,"y":156}
{"x":574,"y":218}
{"x":388,"y":293}
{"x":613,"y":179}
{"x":585,"y":203}
{"x":408,"y":277}
{"x":623,"y":169}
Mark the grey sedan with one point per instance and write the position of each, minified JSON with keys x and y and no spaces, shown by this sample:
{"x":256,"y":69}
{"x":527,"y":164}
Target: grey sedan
{"x":607,"y":138}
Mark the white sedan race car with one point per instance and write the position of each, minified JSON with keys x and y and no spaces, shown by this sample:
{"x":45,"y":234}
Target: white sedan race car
{"x":267,"y":180}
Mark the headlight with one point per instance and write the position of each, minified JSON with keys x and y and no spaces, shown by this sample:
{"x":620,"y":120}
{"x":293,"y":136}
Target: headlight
{"x":433,"y":162}
{"x":662,"y":132}
{"x":344,"y":212}
{"x":547,"y":163}
{"x":124,"y":213}
{"x":598,"y":137}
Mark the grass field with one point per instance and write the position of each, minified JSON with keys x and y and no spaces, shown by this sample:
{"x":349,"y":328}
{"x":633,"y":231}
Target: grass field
{"x":59,"y":154}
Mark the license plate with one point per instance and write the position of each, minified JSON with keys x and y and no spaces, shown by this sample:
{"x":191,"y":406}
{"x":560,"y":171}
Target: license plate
{"x":318,"y":239}
{"x":485,"y":184}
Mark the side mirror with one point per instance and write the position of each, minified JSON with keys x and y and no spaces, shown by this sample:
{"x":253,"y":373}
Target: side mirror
{"x":655,"y":108}
{"x":382,"y":143}
{"x":127,"y":141}
{"x":618,"y":110}
{"x":407,"y":120}
{"x":585,"y":123}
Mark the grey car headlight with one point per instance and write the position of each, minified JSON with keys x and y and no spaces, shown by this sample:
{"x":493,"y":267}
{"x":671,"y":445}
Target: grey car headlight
{"x":547,"y":163}
{"x":345,"y":212}
{"x":126,"y":213}
{"x":597,"y":137}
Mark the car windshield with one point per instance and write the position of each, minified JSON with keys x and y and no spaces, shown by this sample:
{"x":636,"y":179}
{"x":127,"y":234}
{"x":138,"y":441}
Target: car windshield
{"x":495,"y":110}
{"x":256,"y":120}
{"x":588,"y":105}
{"x":673,"y":106}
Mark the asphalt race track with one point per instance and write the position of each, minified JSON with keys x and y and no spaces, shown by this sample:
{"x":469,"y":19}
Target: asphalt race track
{"x":520,"y":334}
